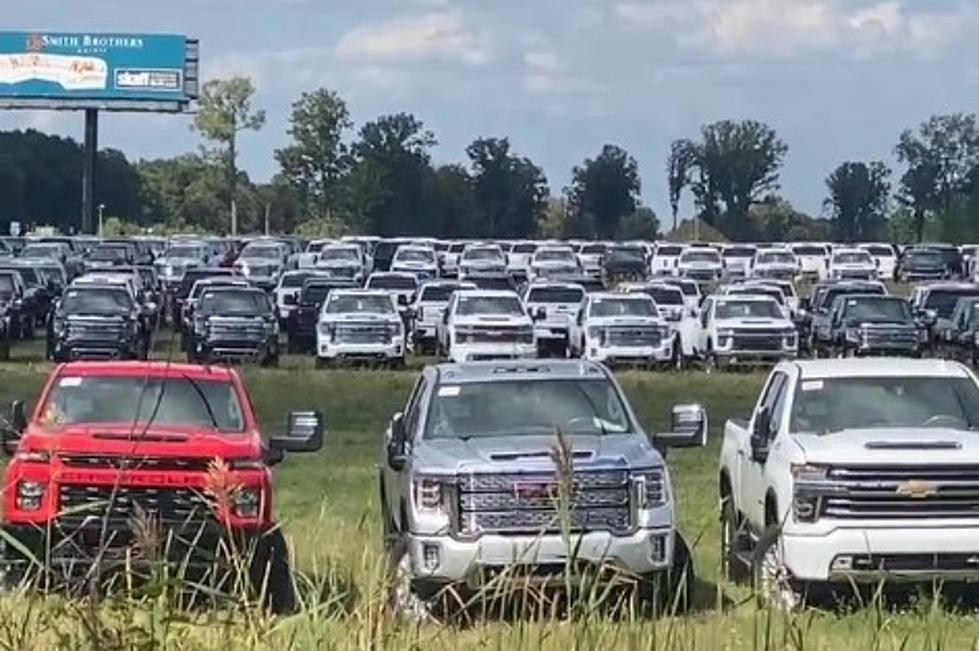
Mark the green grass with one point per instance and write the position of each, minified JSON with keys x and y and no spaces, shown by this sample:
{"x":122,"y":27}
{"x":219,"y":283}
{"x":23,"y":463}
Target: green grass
{"x":328,"y":505}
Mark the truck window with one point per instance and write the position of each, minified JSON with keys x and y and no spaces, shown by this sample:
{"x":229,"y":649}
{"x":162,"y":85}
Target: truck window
{"x":772,"y":393}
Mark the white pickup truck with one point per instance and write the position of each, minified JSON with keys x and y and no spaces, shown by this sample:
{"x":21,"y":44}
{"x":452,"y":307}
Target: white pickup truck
{"x":618,"y":328}
{"x":853,"y":472}
{"x":741,"y":330}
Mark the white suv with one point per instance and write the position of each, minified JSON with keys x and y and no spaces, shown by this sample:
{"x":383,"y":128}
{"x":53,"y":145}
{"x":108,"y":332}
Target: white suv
{"x":485,"y":325}
{"x":853,"y":472}
{"x":358,"y":324}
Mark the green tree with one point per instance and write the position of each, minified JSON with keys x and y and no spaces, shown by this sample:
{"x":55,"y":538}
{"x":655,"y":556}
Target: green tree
{"x":642,"y":224}
{"x":510,"y":191}
{"x":857,"y":201}
{"x":318,"y":158}
{"x":775,"y":219}
{"x":940,"y":157}
{"x":383,"y":192}
{"x":604,"y":190}
{"x":449,"y":203}
{"x":735,"y":163}
{"x":225,"y":110}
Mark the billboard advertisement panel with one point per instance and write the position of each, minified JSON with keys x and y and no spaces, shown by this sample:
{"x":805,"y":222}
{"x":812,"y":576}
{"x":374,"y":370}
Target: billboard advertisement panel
{"x":109,"y":68}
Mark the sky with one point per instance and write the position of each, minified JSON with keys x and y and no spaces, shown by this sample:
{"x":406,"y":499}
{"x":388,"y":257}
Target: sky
{"x":837,"y":79}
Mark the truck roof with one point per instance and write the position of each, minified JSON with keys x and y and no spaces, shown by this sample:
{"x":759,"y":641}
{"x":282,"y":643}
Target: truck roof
{"x":139,"y":369}
{"x":503,"y":371}
{"x":880,"y":367}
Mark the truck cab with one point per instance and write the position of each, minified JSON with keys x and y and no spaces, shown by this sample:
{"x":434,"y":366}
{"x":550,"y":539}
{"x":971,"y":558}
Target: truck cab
{"x":853,"y":472}
{"x":470,"y":482}
{"x":79,"y":483}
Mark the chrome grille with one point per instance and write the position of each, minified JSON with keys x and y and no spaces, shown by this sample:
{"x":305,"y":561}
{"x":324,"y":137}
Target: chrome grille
{"x":95,"y":328}
{"x":902,"y":493}
{"x":363,"y":334}
{"x":502,"y":334}
{"x":634,"y":336}
{"x":759,"y":340}
{"x":81,"y":502}
{"x":890,"y":337}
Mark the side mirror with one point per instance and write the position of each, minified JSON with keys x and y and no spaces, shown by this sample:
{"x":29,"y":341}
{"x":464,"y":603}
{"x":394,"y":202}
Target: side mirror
{"x":688,"y":428}
{"x":402,"y":300}
{"x":304,"y":433}
{"x":931,"y":316}
{"x":397,"y":459}
{"x":540,"y":315}
{"x":759,"y":435}
{"x":18,"y":423}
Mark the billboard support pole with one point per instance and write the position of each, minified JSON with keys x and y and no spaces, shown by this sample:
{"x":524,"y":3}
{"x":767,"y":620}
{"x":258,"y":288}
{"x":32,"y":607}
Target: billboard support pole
{"x":89,"y":155}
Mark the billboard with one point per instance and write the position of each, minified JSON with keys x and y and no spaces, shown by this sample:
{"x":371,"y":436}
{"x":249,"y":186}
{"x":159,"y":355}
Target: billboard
{"x":107,"y":71}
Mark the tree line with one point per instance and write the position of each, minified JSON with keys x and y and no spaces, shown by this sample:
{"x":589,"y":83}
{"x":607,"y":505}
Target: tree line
{"x":335,"y":177}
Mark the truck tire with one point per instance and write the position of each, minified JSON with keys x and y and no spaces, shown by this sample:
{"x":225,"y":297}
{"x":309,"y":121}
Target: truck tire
{"x":772,"y":581}
{"x":734,"y":544}
{"x":402,"y":599}
{"x":269,"y":573}
{"x":670,"y":592}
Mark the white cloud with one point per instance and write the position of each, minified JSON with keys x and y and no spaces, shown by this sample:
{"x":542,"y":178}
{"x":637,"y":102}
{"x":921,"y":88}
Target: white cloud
{"x":441,"y":34}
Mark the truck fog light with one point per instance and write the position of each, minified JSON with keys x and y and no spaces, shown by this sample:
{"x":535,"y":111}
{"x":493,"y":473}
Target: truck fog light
{"x":657,"y":548}
{"x":842,"y":563}
{"x":246,"y":501}
{"x":29,"y":494}
{"x":430,"y":556}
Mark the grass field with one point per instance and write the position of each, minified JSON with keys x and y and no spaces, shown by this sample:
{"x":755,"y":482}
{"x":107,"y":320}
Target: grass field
{"x":329,"y":508}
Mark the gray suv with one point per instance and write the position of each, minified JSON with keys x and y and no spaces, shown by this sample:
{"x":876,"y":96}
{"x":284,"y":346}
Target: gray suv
{"x":472,"y":492}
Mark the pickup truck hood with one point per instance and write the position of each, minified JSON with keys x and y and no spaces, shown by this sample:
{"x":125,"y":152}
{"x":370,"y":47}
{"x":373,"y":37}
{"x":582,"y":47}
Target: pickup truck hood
{"x":860,"y":266}
{"x":900,"y":446}
{"x":749,"y":324}
{"x":491,"y":319}
{"x":625,"y":321}
{"x":156,"y":441}
{"x":508,"y":454}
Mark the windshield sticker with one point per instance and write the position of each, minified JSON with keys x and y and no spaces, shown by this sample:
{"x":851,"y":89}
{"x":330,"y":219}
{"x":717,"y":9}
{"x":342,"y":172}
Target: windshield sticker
{"x":449,"y":392}
{"x":812,"y":385}
{"x":70,"y":382}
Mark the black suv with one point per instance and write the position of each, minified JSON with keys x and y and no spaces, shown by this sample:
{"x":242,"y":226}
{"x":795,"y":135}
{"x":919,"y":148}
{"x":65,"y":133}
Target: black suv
{"x":96,"y":322}
{"x":622,"y":262}
{"x":302,"y":322}
{"x":234,"y":323}
{"x":869,"y":324}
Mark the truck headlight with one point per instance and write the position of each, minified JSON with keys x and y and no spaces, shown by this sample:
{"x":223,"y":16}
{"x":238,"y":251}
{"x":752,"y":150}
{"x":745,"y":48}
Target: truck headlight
{"x":29,"y":495}
{"x":429,"y":494}
{"x":246,"y":502}
{"x":595,"y":332}
{"x":853,"y":334}
{"x":808,"y":482}
{"x":649,"y":488}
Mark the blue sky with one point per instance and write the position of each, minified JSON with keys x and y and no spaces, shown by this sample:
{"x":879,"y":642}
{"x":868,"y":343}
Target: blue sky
{"x":838,"y":79}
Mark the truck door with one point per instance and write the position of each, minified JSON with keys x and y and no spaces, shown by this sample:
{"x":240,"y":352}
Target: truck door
{"x":751,"y":475}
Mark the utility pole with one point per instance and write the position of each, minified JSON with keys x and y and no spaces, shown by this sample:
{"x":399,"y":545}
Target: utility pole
{"x":101,"y":210}
{"x":89,"y":154}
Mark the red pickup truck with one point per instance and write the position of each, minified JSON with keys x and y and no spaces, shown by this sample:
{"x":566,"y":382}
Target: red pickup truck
{"x":130,"y":465}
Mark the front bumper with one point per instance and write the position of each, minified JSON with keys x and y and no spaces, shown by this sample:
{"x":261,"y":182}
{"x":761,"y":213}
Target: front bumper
{"x":461,"y":353}
{"x":908,"y":553}
{"x":739,"y":356}
{"x":644,"y":552}
{"x":237,"y":349}
{"x":630,"y":354}
{"x":392,"y":350}
{"x":75,"y":349}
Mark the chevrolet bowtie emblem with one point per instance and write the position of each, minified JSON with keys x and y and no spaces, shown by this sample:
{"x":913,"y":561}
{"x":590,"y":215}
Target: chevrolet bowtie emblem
{"x":917,"y":489}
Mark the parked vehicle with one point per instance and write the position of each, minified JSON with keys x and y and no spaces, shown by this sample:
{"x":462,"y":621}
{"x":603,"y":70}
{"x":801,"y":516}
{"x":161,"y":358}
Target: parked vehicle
{"x":851,"y":264}
{"x":97,"y":321}
{"x":402,"y":286}
{"x":736,"y":259}
{"x":933,"y":304}
{"x":180,"y":257}
{"x":849,"y":473}
{"x":77,"y":479}
{"x":813,"y":259}
{"x":885,"y":259}
{"x":701,"y":264}
{"x":286,"y":293}
{"x":178,"y":297}
{"x":344,"y":261}
{"x":553,"y":260}
{"x":919,"y":264}
{"x":262,"y":262}
{"x":479,"y":259}
{"x":554,"y":308}
{"x":420,"y":261}
{"x":18,"y":316}
{"x":739,"y":330}
{"x":776,"y":263}
{"x":234,"y":324}
{"x":301,"y":328}
{"x":469,"y":483}
{"x":624,"y":263}
{"x":866,"y":324}
{"x":624,"y":328}
{"x":427,"y":310}
{"x":190,"y":303}
{"x":665,"y":259}
{"x":590,"y":257}
{"x":815,"y":327}
{"x":483,"y":324}
{"x":357,"y":324}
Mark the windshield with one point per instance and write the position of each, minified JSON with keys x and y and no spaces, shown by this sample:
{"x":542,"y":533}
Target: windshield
{"x":926,"y":257}
{"x":593,"y":249}
{"x":415,"y":255}
{"x":555,"y":295}
{"x":362,"y":303}
{"x":526,"y":408}
{"x":200,"y":287}
{"x":141,"y":401}
{"x":185,"y":252}
{"x":41,"y":251}
{"x":700,"y":256}
{"x":835,"y":404}
{"x":809,"y":250}
{"x":735,"y":252}
{"x":524,"y":248}
{"x":943,"y":301}
{"x":472,"y":305}
{"x":482,"y":254}
{"x":881,"y":251}
{"x":853,"y":257}
{"x":602,"y":307}
{"x":393,"y":282}
{"x":550,"y":255}
{"x":669,"y":250}
{"x":664,"y":296}
{"x":225,"y":303}
{"x":108,"y":253}
{"x":99,"y":300}
{"x":262,"y":252}
{"x":315,"y":294}
{"x":776,"y":257}
{"x":775,"y":294}
{"x":748,"y":310}
{"x":876,"y":309}
{"x":340,"y":255}
{"x":437,"y":293}
{"x":6,"y":286}
{"x":295,"y":280}
{"x":626,"y":254}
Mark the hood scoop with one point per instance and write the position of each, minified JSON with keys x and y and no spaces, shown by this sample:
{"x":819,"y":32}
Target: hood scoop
{"x":137,"y":436}
{"x":913,"y":445}
{"x":541,"y":454}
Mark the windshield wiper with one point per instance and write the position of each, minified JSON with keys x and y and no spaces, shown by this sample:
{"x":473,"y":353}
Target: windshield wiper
{"x":207,"y":405}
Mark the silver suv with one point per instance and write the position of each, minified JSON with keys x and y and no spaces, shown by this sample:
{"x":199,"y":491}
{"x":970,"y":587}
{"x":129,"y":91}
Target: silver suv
{"x":472,"y":492}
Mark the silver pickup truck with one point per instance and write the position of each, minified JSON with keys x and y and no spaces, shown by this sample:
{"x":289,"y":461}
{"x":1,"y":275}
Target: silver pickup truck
{"x":474,"y":499}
